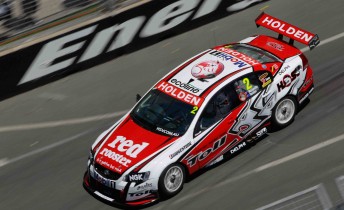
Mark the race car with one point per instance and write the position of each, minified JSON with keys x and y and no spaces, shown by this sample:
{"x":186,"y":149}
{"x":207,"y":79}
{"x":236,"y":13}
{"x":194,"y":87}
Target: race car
{"x":212,"y":106}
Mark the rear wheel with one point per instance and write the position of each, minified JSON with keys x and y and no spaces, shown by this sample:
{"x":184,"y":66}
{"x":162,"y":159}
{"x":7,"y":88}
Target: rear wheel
{"x":284,"y":112}
{"x":171,"y":180}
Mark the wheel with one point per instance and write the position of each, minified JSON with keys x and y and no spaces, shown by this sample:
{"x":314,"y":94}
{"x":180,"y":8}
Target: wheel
{"x":284,"y":112}
{"x":171,"y":180}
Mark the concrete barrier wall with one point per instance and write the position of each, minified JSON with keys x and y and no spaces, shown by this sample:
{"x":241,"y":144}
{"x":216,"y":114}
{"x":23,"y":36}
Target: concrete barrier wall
{"x":104,"y":40}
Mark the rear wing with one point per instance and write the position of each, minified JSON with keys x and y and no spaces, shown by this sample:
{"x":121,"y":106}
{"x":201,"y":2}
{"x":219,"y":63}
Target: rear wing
{"x":288,"y":30}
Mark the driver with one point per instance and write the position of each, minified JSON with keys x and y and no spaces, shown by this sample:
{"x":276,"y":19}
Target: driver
{"x":217,"y":109}
{"x":222,"y":104}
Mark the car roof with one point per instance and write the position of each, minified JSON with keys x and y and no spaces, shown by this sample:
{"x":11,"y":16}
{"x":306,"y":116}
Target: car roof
{"x":279,"y":48}
{"x":202,"y":73}
{"x":199,"y":75}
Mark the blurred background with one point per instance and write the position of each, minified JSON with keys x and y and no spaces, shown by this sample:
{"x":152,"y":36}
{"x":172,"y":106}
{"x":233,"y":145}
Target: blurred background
{"x":19,"y":18}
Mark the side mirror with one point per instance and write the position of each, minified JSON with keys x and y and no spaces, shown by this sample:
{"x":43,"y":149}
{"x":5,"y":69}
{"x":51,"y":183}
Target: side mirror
{"x":138,"y":97}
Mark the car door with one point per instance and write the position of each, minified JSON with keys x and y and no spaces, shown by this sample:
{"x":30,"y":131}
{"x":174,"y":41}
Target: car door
{"x":253,"y":90}
{"x":211,"y":128}
{"x":224,"y":127}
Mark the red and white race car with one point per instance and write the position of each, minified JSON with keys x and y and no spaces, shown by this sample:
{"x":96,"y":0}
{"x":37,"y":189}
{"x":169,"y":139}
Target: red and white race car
{"x":213,"y":105}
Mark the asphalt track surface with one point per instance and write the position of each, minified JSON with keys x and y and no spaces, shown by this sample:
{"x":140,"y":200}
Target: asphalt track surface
{"x":45,"y":134}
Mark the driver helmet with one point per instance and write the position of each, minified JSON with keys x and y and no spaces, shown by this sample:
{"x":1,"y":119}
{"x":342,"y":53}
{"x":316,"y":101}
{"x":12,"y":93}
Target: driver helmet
{"x":222,"y":103}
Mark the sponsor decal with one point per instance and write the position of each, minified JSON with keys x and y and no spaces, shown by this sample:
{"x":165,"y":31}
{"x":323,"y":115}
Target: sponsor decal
{"x":275,"y":45}
{"x":287,"y":80}
{"x":283,"y":70}
{"x":265,"y":79}
{"x":263,"y":76}
{"x":242,"y":96}
{"x":274,"y":67}
{"x":191,"y":161}
{"x":167,"y":132}
{"x":114,"y":156}
{"x":109,"y":165}
{"x":179,"y":94}
{"x":135,"y":177}
{"x":104,"y":181}
{"x":138,"y":194}
{"x":144,"y":187}
{"x":186,"y":86}
{"x":284,"y":28}
{"x":266,"y":82}
{"x":262,"y":132}
{"x":180,"y":150}
{"x":239,"y":55}
{"x":207,"y":69}
{"x":129,"y":30}
{"x":128,"y":146}
{"x":238,"y":147}
{"x":228,"y":57}
{"x":243,"y":128}
{"x":123,"y":145}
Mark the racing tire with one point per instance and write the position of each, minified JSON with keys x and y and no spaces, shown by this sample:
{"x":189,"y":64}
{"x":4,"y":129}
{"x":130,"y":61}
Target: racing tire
{"x":284,"y":112}
{"x":171,"y":181}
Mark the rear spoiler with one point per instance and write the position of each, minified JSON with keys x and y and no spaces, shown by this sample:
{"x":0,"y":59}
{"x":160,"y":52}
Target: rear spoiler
{"x":288,"y":30}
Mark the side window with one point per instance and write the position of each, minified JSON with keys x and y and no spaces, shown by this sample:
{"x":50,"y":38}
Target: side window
{"x":220,"y":105}
{"x":247,"y":86}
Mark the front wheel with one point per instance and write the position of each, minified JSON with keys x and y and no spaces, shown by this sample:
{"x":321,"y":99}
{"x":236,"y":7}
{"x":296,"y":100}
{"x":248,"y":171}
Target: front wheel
{"x":171,"y":180}
{"x":284,"y":112}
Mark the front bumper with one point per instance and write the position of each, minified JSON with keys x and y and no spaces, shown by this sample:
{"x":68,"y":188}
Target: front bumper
{"x":124,"y":197}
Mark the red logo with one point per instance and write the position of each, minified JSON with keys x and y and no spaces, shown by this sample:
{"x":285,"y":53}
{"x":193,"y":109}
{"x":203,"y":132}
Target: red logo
{"x":207,"y":69}
{"x":275,"y":45}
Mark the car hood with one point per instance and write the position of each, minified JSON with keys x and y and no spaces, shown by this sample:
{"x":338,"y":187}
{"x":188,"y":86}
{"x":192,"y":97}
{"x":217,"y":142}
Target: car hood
{"x":129,"y":144}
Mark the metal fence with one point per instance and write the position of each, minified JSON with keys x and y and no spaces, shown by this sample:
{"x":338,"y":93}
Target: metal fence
{"x":310,"y":199}
{"x":22,"y":16}
{"x":340,"y":185}
{"x":313,"y":198}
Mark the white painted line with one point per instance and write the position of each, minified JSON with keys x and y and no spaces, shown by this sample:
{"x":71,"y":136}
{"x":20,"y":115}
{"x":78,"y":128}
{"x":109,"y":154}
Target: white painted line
{"x":300,"y":153}
{"x":267,"y":166}
{"x":3,"y":161}
{"x":166,"y":44}
{"x":33,"y":144}
{"x":264,"y":8}
{"x":174,"y":51}
{"x":326,"y":41}
{"x":52,"y":124}
{"x":6,"y":161}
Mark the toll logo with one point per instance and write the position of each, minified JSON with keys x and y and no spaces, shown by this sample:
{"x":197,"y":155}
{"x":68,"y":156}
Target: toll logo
{"x":207,"y":69}
{"x":192,"y":160}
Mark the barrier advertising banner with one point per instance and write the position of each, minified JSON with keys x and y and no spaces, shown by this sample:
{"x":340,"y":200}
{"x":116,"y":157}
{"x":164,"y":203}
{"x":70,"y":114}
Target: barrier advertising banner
{"x":104,"y":40}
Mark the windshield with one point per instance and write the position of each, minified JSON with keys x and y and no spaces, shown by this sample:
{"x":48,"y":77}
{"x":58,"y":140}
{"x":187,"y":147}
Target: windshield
{"x":258,"y":54}
{"x":163,"y":114}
